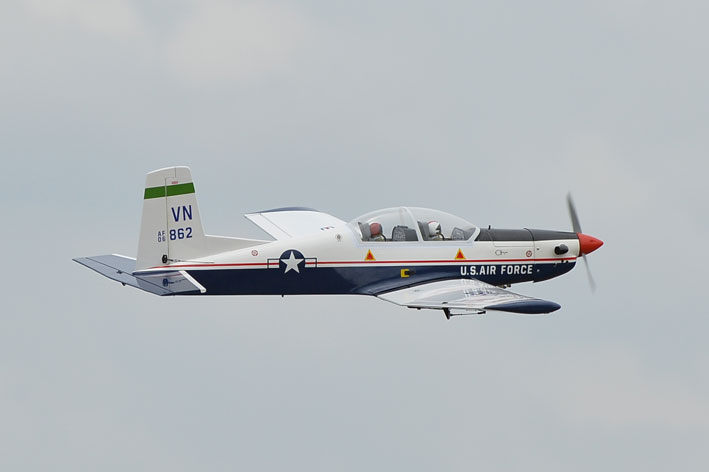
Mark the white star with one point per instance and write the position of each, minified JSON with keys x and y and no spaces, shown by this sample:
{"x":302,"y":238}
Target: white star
{"x":292,"y":263}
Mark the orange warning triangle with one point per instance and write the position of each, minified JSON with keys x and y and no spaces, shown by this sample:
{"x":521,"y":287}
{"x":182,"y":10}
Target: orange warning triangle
{"x":460,"y":255}
{"x":369,"y":256}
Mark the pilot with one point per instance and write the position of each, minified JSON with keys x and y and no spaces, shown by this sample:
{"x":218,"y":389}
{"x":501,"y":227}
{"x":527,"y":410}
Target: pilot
{"x":375,"y":232}
{"x":434,"y":231}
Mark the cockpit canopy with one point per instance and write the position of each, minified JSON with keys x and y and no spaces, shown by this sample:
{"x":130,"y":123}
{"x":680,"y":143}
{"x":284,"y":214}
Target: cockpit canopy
{"x":412,"y":224}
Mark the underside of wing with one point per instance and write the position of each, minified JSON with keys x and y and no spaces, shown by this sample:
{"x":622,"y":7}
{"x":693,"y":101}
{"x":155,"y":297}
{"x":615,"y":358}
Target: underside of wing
{"x":287,"y":223}
{"x":121,"y":269}
{"x":467,"y":296}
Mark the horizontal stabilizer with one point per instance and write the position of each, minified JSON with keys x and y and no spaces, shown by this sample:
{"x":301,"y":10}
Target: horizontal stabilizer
{"x":121,"y":268}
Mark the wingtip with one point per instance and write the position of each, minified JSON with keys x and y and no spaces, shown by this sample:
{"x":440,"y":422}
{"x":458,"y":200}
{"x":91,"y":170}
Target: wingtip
{"x":527,"y":307}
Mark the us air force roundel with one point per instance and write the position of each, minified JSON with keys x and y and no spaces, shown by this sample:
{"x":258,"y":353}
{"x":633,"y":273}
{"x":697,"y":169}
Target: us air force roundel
{"x":291,"y":259}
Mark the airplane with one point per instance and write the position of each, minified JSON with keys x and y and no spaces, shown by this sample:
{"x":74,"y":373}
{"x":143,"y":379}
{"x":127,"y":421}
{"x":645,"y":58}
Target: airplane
{"x":413,"y":257}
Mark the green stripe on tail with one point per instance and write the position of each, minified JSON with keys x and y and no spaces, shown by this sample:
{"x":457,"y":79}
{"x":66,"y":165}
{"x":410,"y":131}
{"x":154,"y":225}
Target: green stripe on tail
{"x":171,"y":190}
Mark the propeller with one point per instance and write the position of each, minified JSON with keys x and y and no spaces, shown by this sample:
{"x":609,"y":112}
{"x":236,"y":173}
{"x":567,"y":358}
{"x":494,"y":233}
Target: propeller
{"x":588,"y":243}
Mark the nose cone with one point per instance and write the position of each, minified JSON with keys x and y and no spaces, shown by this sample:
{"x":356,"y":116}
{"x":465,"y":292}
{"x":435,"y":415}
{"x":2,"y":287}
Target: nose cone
{"x":588,"y":243}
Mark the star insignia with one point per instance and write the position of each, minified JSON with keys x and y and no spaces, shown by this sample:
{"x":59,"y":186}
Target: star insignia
{"x":292,"y":263}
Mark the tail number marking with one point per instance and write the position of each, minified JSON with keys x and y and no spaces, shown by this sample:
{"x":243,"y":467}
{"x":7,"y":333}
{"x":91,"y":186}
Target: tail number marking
{"x":180,"y":213}
{"x":180,"y":233}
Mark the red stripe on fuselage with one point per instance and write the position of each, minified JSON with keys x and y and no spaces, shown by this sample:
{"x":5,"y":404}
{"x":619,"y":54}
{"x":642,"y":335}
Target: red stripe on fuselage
{"x":365,"y":263}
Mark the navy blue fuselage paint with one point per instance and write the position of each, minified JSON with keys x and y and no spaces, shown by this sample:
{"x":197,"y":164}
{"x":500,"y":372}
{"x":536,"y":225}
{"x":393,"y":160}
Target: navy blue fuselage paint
{"x":550,"y":270}
{"x":364,"y":280}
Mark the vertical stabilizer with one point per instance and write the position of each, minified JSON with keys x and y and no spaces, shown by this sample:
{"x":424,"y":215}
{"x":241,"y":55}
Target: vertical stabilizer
{"x":171,"y":228}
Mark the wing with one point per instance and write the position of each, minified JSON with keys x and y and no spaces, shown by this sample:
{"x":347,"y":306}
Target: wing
{"x":467,"y":296}
{"x":120,"y":269}
{"x":286,"y":223}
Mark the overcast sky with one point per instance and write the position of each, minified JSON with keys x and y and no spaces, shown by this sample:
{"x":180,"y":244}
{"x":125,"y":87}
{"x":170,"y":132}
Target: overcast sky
{"x":491,"y":112}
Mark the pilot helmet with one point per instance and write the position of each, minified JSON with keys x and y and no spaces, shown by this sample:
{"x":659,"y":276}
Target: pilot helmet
{"x":375,"y":229}
{"x":434,"y":228}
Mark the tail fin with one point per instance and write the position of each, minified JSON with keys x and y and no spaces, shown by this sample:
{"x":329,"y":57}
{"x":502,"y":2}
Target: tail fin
{"x":171,"y":229}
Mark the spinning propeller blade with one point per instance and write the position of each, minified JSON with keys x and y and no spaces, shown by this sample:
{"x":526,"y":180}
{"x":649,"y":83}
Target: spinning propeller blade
{"x":575,"y":224}
{"x":587,"y":243}
{"x":591,"y":282}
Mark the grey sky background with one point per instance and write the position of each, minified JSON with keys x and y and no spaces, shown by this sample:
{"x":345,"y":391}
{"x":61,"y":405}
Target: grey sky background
{"x":492,"y":112}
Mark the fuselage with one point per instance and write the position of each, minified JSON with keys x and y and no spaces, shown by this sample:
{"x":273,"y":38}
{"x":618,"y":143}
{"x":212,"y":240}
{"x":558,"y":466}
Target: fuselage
{"x":338,"y":261}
